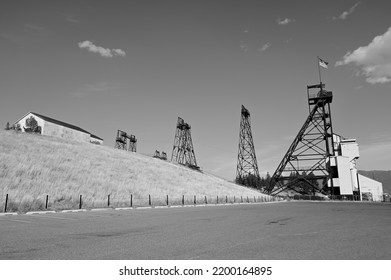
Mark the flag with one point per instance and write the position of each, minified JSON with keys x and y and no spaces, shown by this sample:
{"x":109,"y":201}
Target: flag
{"x":323,"y":63}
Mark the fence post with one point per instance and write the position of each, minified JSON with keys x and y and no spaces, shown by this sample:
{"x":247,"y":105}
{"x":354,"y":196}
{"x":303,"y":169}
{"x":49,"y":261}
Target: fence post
{"x":6,"y":202}
{"x":195,"y":200}
{"x":167,"y":200}
{"x":149,"y":200}
{"x":217,"y":201}
{"x":80,"y":202}
{"x":131,"y":200}
{"x":183,"y":200}
{"x":241,"y":199}
{"x":206,"y":200}
{"x":248,"y":200}
{"x":234,"y":199}
{"x":47,"y":200}
{"x":226,"y":199}
{"x":108,"y":201}
{"x":255,"y":199}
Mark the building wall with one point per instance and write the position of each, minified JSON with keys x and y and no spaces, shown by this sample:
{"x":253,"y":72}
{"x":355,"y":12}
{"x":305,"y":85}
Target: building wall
{"x":40,"y":122}
{"x":372,"y":187}
{"x":96,"y":141}
{"x":52,"y":129}
{"x":345,"y":178}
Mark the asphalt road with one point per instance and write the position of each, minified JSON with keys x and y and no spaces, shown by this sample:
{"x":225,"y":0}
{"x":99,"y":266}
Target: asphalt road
{"x":288,"y":230}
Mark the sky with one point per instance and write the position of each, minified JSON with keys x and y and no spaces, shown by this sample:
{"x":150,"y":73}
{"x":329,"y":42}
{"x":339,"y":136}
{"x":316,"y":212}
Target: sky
{"x":139,"y":65}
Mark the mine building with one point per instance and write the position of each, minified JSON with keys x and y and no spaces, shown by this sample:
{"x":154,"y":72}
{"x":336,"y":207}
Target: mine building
{"x":52,"y":127}
{"x":346,"y":180}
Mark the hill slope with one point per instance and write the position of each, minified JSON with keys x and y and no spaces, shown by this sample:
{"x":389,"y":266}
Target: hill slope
{"x":379,"y":175}
{"x":33,"y":166}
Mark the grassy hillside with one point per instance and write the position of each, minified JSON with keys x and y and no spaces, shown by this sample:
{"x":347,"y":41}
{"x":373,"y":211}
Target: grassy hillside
{"x":379,"y":175}
{"x":33,"y":166}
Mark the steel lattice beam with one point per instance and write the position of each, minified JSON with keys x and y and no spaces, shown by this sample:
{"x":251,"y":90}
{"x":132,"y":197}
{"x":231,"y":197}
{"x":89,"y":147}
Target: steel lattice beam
{"x":121,"y":140}
{"x":304,"y":168}
{"x":247,"y":160}
{"x":183,"y":151}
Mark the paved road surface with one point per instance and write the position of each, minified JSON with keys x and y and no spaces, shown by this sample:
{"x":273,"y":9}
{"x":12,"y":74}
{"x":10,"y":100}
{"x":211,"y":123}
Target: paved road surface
{"x":289,"y":230}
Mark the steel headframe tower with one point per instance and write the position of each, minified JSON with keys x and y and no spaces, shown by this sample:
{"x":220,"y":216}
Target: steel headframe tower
{"x":247,"y":160}
{"x":132,"y":143}
{"x":121,"y":140}
{"x":183,"y":151}
{"x":305,"y":168}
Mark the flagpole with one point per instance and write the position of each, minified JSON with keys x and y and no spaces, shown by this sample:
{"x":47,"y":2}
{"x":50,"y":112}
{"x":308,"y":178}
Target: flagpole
{"x":320,"y":77}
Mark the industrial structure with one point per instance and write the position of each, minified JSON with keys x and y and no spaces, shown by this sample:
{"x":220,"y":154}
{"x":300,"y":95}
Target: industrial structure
{"x":121,"y":141}
{"x":160,"y":155}
{"x":304,"y":167}
{"x":247,"y":161}
{"x":320,"y":162}
{"x":52,"y":127}
{"x":183,"y":150}
{"x":347,"y":183}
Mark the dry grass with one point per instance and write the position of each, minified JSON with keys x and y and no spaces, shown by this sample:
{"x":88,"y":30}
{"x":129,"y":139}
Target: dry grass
{"x":33,"y":166}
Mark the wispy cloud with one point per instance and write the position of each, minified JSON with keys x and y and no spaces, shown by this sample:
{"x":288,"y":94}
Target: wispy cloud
{"x":105,"y":52}
{"x":345,"y":14}
{"x":284,"y":21}
{"x":97,"y":89}
{"x":244,"y":46}
{"x":72,"y":19}
{"x":374,"y":59}
{"x":34,"y":26}
{"x":264,"y":47}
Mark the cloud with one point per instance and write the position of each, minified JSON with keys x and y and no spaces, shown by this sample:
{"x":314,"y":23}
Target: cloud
{"x":71,"y":19}
{"x":101,"y":50}
{"x":264,"y":47}
{"x":97,"y":89}
{"x":285,"y":21}
{"x":244,"y":46}
{"x":345,"y":14}
{"x":34,"y":26}
{"x":374,"y":59}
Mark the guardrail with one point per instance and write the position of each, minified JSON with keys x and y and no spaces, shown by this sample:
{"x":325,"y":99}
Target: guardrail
{"x":44,"y":202}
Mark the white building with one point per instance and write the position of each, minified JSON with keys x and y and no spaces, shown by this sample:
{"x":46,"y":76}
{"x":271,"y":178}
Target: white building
{"x":52,"y":127}
{"x":346,"y":180}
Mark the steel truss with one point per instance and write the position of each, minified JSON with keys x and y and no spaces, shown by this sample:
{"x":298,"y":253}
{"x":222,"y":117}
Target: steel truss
{"x":132,"y":143}
{"x":183,"y":151}
{"x":121,"y":141}
{"x":247,"y":160}
{"x":304,"y":168}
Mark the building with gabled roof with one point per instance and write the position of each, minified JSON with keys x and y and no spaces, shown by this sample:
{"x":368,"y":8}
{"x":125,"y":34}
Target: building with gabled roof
{"x":52,"y":127}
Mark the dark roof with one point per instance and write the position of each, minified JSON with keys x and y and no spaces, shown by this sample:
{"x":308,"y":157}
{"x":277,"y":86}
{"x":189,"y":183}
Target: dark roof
{"x":60,"y":123}
{"x":71,"y":126}
{"x":96,"y":137}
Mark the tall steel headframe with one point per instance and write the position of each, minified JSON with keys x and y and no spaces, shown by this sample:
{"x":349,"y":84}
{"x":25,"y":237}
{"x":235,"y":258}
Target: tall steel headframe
{"x":183,"y":151}
{"x":121,"y":140}
{"x":305,"y":167}
{"x":132,"y":143}
{"x":247,"y":160}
